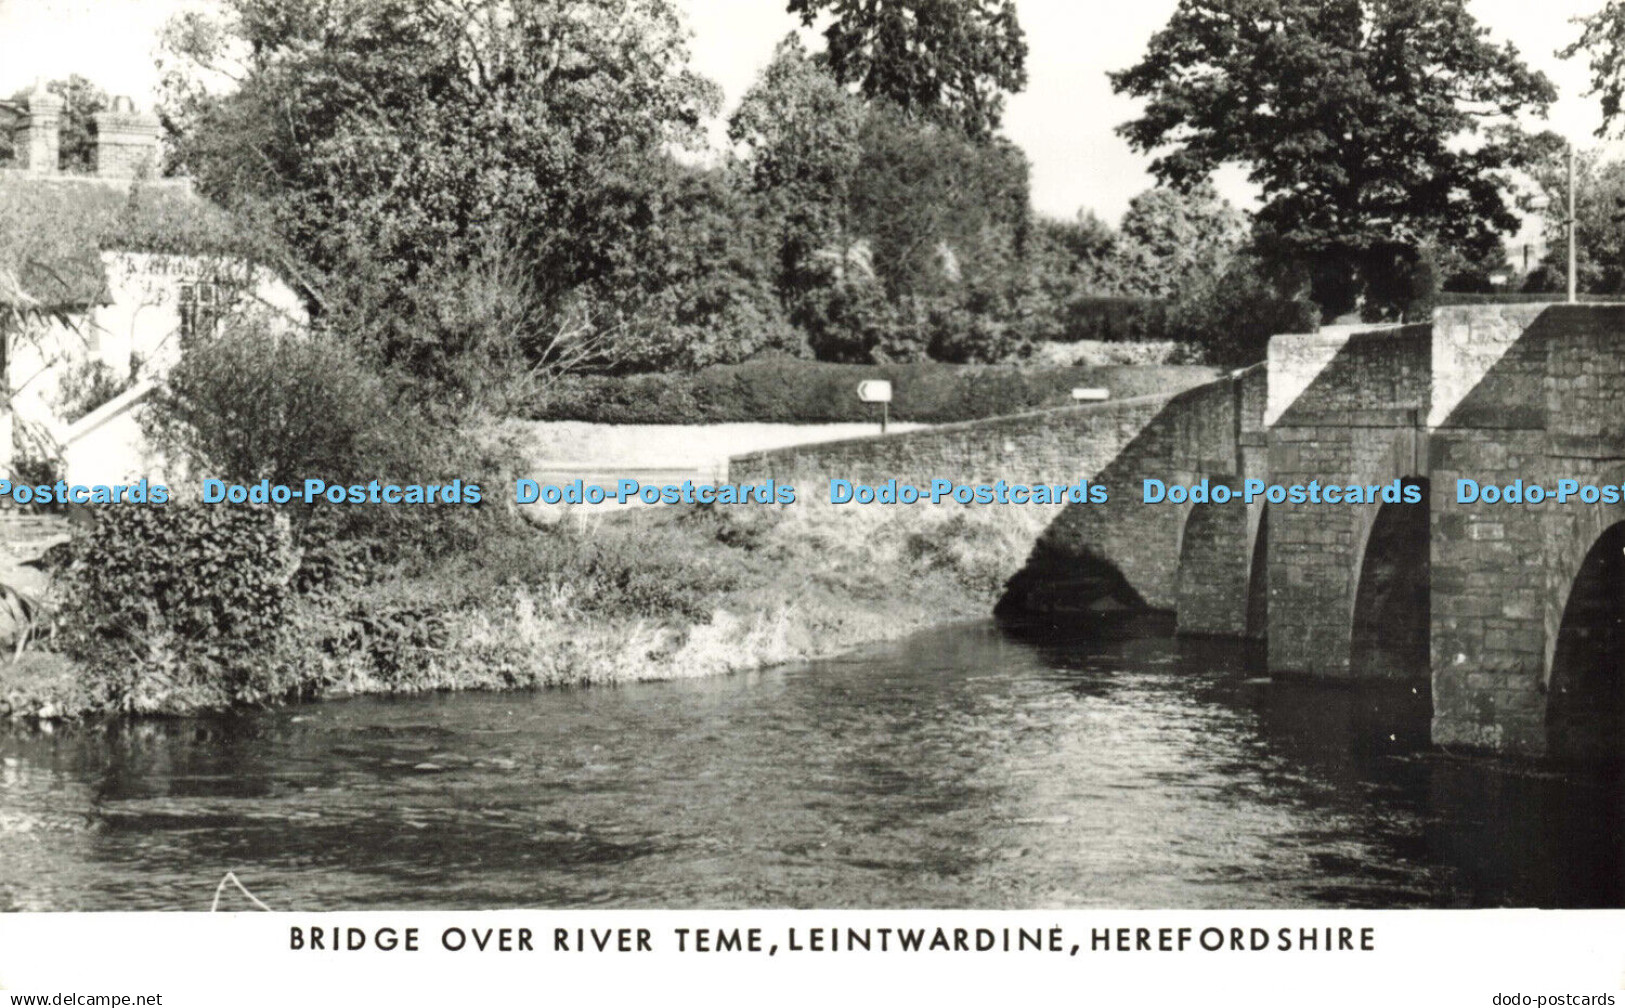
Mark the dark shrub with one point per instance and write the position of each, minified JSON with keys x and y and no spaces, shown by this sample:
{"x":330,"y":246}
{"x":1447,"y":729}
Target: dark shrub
{"x":255,"y":404}
{"x":1113,"y":319}
{"x":1232,"y":316}
{"x":180,"y":600}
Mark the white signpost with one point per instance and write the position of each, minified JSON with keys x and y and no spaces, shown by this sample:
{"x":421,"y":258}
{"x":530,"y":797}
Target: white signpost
{"x":877,"y":392}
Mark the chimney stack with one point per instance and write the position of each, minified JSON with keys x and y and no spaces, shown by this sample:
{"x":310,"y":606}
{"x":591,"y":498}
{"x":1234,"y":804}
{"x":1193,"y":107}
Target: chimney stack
{"x":41,"y":135}
{"x":126,"y":141}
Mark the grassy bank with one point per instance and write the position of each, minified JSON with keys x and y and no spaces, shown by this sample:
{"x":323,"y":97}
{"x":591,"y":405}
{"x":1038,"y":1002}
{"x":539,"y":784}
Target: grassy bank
{"x":647,"y":594}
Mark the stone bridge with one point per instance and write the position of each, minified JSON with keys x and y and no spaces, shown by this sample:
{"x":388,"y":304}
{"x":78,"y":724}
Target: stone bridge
{"x":1512,"y":612}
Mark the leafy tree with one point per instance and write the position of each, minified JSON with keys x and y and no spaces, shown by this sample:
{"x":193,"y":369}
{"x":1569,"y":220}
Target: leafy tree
{"x":1473,"y":269}
{"x":1602,"y":38}
{"x":1082,"y":240}
{"x":798,"y":135}
{"x":887,"y":225}
{"x":934,"y":227}
{"x":1082,"y":279}
{"x":1168,"y":237}
{"x":710,"y":296}
{"x":254,"y":405}
{"x":391,"y":140}
{"x":937,"y":208}
{"x":1599,"y":212}
{"x":1350,"y":116}
{"x":1229,"y":315}
{"x":1065,"y":261}
{"x":951,"y":61}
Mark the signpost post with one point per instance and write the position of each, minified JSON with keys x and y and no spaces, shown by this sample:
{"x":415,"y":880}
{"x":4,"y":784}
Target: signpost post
{"x":877,"y":392}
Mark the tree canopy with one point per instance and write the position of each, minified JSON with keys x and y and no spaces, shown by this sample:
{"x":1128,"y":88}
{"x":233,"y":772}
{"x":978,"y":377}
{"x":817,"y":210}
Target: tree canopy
{"x":1168,"y":236}
{"x":463,"y":185}
{"x":889,"y":226}
{"x":951,"y":61}
{"x":1600,"y":216}
{"x":414,"y":128}
{"x":798,"y":137}
{"x":1602,"y":38}
{"x":390,"y":140}
{"x":1372,"y":127}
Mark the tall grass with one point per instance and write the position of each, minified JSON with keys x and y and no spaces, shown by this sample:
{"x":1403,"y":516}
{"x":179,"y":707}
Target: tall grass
{"x":674,"y":593}
{"x":650,"y":594}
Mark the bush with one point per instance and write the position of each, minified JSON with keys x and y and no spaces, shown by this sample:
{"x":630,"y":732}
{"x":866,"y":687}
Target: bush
{"x":85,"y":387}
{"x":654,"y":575}
{"x":179,"y":600}
{"x":791,"y":391}
{"x":962,"y":335}
{"x":1232,"y":316}
{"x":852,"y":321}
{"x":253,"y":404}
{"x":385,"y":631}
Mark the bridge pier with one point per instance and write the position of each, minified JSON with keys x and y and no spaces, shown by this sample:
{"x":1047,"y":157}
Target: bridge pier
{"x":1489,"y":631}
{"x":1528,"y":598}
{"x":1345,"y":408}
{"x":1215,"y":567}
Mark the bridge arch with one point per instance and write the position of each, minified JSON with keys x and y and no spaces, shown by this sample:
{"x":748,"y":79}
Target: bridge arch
{"x":1391,"y":621}
{"x":1571,"y":544}
{"x":1060,"y":584}
{"x":1585,"y":673}
{"x":1321,"y":560}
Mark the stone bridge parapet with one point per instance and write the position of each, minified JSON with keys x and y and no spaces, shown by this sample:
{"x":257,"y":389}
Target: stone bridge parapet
{"x":1512,"y":613}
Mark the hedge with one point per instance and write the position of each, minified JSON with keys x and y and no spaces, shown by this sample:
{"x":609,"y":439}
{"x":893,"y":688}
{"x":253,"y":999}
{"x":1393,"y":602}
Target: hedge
{"x":791,"y":391}
{"x":1114,"y":320}
{"x":1448,"y":299}
{"x":1096,"y":354}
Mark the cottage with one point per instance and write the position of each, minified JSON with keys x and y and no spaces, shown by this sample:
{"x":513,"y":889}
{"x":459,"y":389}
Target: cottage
{"x":105,"y":279}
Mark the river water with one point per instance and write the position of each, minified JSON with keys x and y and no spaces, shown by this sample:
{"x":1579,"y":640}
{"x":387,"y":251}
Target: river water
{"x":962,"y":768}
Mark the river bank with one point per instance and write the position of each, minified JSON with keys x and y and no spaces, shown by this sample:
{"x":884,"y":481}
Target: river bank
{"x":650,"y":594}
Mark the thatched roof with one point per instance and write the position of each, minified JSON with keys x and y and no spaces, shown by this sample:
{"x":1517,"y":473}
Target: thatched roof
{"x":53,"y":229}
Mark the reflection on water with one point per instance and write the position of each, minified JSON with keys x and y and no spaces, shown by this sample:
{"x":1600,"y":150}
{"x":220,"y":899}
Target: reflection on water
{"x":962,"y":768}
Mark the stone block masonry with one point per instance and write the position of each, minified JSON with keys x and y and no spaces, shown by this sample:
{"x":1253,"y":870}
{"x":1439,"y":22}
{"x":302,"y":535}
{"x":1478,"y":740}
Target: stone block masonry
{"x":1183,"y":436}
{"x":126,"y":138}
{"x":1056,"y":446}
{"x":1496,"y":607}
{"x":1059,"y":447}
{"x":126,"y":142}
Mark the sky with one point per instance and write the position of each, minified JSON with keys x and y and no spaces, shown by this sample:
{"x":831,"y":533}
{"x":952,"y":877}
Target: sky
{"x":1064,"y":120}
